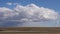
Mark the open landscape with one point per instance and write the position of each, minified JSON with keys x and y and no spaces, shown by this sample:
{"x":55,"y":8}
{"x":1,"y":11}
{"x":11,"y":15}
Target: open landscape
{"x":30,"y":30}
{"x":29,"y":16}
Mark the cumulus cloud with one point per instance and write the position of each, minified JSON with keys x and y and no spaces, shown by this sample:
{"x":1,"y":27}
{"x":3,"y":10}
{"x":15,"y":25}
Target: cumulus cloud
{"x":29,"y":13}
{"x":34,"y":13}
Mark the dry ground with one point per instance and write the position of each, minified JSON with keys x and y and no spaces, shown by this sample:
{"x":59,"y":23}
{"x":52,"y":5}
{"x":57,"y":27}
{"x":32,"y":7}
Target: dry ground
{"x":30,"y":30}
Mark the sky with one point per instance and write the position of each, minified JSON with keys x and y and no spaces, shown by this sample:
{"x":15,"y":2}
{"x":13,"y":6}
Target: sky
{"x":30,"y":13}
{"x":52,"y":4}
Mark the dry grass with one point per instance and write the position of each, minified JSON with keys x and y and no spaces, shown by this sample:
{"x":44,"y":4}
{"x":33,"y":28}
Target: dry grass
{"x":29,"y":30}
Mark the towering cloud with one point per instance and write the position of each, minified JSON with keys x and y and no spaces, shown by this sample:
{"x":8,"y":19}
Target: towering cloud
{"x":28,"y":13}
{"x":32,"y":12}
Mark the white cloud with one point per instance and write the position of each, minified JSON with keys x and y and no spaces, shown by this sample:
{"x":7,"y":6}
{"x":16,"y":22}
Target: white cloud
{"x":6,"y":12}
{"x":9,"y":3}
{"x":28,"y":13}
{"x":33,"y":12}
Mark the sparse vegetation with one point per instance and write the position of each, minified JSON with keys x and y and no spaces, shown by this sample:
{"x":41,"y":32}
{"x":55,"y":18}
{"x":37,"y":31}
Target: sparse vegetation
{"x":38,"y":30}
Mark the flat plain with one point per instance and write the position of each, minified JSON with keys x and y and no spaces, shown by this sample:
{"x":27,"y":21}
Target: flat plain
{"x":30,"y":30}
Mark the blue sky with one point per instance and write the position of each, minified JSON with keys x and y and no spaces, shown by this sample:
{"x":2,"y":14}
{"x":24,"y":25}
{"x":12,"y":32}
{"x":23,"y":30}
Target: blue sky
{"x":52,"y":4}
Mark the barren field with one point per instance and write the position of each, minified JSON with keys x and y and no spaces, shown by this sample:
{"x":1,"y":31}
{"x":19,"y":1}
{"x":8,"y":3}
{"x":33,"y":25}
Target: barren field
{"x":30,"y":30}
